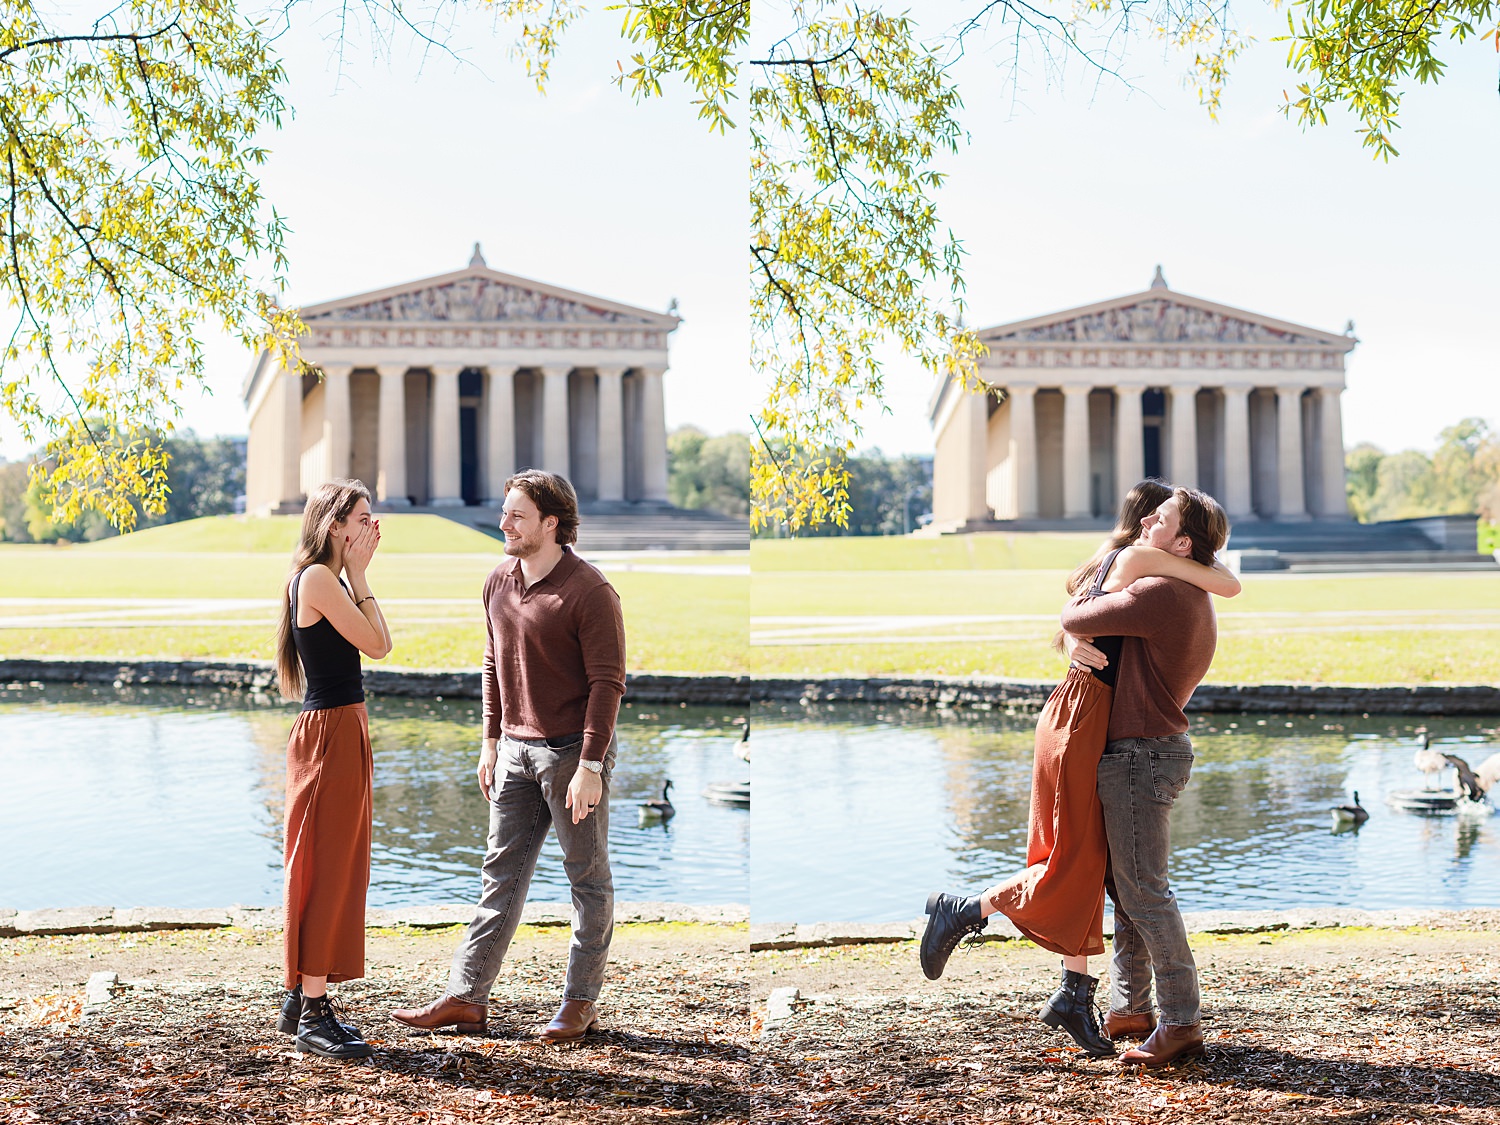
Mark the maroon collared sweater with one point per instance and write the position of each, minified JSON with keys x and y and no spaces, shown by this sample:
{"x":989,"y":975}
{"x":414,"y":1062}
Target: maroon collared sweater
{"x":1170,"y":634}
{"x":554,"y":654}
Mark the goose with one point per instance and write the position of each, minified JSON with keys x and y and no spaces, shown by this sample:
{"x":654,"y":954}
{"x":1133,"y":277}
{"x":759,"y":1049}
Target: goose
{"x":1428,"y":760}
{"x":1349,"y":816}
{"x":658,"y":809}
{"x":742,"y":751}
{"x":1476,"y":784}
{"x":1489,"y":772}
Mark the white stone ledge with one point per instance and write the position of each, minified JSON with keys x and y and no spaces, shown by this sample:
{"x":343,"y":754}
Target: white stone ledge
{"x":143,"y":919}
{"x":770,"y":936}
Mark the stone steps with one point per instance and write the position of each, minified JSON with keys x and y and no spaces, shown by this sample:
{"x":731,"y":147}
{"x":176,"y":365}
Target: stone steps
{"x":632,"y":528}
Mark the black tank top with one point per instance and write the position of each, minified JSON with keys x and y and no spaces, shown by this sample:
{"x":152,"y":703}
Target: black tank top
{"x":1112,"y":647}
{"x":330,"y":664}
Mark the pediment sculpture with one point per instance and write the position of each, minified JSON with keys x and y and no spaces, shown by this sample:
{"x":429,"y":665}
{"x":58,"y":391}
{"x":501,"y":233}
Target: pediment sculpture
{"x":476,"y":299}
{"x":1156,"y":322}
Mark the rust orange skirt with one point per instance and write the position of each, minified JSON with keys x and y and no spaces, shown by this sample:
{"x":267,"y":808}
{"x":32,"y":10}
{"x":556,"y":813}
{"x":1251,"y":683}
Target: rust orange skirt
{"x":328,"y":809}
{"x":1058,"y":901}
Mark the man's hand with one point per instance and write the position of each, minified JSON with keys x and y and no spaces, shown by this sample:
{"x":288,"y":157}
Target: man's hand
{"x":488,"y":753}
{"x":584,"y":792}
{"x":1081,"y":652}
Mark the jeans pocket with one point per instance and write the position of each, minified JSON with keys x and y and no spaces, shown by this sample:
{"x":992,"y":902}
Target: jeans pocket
{"x":1169,"y":774}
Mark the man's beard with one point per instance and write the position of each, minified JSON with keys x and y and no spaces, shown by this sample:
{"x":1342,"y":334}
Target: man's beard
{"x":521,"y":548}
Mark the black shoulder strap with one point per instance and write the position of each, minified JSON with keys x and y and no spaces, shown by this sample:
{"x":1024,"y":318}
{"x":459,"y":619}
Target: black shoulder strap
{"x":1103,"y":572}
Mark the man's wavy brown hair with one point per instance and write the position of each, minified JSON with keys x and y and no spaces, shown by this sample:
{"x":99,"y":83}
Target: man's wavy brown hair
{"x":553,"y":496}
{"x":1203,"y":521}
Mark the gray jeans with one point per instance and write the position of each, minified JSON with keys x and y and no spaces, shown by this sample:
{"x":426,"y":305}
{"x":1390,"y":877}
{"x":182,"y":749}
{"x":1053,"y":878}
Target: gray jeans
{"x":1139,"y":780}
{"x":531,"y":786}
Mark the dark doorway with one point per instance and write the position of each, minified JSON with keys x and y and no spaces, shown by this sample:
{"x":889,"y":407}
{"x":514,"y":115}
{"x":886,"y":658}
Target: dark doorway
{"x":468,"y":462}
{"x":1151,"y":447}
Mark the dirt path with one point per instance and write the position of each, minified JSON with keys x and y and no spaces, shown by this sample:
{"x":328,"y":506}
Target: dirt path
{"x":190,"y":1037}
{"x":1346,"y":1025}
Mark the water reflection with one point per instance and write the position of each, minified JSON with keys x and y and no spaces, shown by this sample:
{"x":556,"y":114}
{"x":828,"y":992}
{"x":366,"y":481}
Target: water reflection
{"x":859,"y":812}
{"x":166,"y":797}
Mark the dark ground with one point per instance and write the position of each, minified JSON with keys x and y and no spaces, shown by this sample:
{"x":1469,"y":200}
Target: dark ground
{"x":193,"y":1039}
{"x":1320,"y":1026}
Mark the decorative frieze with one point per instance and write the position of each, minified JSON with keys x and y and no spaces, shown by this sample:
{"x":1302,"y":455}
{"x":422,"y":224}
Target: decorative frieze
{"x":475,"y":299}
{"x":1157,"y":320}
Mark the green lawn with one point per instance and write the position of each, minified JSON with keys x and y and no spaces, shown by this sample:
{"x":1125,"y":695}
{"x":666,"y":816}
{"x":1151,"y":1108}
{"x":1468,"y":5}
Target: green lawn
{"x":675,"y":622}
{"x":922,"y":607}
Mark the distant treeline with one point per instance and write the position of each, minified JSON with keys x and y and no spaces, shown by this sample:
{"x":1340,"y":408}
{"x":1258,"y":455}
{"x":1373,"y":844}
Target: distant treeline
{"x":887,"y":496}
{"x":709,"y":472}
{"x":1461,"y":477}
{"x":206,"y":476}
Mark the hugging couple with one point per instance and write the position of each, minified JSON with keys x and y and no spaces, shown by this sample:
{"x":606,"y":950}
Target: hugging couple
{"x":1112,"y":755}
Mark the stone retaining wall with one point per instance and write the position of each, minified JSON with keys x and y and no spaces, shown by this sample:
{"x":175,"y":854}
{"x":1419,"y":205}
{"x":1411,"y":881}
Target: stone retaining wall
{"x":741,"y":691}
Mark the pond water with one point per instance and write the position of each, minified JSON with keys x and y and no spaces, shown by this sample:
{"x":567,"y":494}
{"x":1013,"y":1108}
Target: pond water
{"x":164,"y":797}
{"x":860,"y":812}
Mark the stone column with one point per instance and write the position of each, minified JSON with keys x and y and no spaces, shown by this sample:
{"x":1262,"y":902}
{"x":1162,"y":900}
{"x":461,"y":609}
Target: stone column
{"x":500,"y":425}
{"x":1076,"y":452}
{"x":1335,"y":499}
{"x":1185,"y":435}
{"x":1237,"y":478}
{"x":611,"y":434}
{"x":1130,"y":452}
{"x":1289,"y":477}
{"x":291,"y":496}
{"x":338,"y":422}
{"x":390,"y":485}
{"x":653,"y":437}
{"x":1023,"y":448}
{"x":555,"y":454}
{"x":447,"y":479}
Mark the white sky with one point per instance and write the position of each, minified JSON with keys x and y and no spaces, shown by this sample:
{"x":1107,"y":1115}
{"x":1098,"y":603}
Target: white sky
{"x":393,"y":171}
{"x":1076,"y":193}
{"x":1069,"y":194}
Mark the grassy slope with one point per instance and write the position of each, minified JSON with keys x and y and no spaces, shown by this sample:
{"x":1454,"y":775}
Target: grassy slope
{"x":1367,"y":627}
{"x":686,"y":622}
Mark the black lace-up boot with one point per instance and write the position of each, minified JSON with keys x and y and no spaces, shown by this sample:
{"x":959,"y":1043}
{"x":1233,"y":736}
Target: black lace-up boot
{"x":949,"y":920}
{"x":291,"y":1012}
{"x":319,"y":1032}
{"x":1072,"y":1009}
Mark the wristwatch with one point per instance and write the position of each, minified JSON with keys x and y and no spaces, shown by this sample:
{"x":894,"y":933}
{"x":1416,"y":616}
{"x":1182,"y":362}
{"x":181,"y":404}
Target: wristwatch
{"x":592,"y":767}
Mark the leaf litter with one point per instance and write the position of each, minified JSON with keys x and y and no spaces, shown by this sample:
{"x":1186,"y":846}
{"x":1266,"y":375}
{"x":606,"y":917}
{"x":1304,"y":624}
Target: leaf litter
{"x":1380,"y":1032}
{"x":674,"y":1048}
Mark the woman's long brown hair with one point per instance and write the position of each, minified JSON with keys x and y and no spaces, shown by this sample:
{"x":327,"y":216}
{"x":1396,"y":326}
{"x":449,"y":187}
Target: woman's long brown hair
{"x":1139,"y":503}
{"x":329,"y":504}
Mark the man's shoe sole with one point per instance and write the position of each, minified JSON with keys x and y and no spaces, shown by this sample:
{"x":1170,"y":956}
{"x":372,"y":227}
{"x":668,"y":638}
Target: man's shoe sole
{"x":450,"y":1028}
{"x":1197,"y":1052}
{"x":570,"y":1038}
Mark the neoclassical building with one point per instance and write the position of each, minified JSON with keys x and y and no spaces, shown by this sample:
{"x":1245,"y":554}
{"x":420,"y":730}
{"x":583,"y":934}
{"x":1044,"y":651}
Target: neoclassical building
{"x":1079,"y":405}
{"x":433,"y":392}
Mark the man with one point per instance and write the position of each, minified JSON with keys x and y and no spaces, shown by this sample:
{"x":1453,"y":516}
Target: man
{"x":554,"y":672}
{"x":1169,"y":635}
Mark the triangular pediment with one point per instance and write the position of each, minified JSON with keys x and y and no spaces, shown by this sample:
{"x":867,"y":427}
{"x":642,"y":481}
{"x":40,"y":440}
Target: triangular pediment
{"x":1161,"y":317}
{"x":480,"y":295}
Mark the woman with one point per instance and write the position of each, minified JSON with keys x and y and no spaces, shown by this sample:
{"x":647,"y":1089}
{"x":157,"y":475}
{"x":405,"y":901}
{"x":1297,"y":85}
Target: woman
{"x":325,"y":625}
{"x":1058,"y":900}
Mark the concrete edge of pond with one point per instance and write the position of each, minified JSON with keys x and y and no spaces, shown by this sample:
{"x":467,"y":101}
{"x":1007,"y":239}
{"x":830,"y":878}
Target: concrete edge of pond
{"x":732,"y":690}
{"x":774,"y":936}
{"x":59,"y":921}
